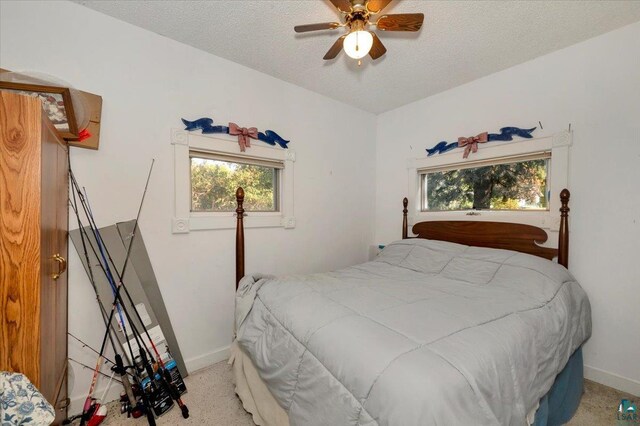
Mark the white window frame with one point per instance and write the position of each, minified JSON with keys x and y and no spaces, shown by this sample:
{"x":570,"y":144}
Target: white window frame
{"x":185,"y":221}
{"x":558,"y":144}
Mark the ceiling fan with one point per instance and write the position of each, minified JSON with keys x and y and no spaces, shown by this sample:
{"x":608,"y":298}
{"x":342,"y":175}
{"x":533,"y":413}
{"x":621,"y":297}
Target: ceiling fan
{"x":357,"y":16}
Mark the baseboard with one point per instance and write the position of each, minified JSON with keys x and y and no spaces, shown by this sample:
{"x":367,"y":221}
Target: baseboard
{"x":207,"y":360}
{"x":612,"y":380}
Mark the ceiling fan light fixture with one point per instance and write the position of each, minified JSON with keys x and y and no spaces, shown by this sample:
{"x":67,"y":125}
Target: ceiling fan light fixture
{"x":358,"y":44}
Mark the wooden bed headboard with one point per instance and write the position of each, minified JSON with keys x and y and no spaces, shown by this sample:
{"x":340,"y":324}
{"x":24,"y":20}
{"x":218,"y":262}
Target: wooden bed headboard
{"x":501,"y":235}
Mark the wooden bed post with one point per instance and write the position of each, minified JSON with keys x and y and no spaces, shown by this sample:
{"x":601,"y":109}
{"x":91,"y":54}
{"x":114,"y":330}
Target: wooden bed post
{"x":405,"y":203}
{"x":563,"y":238}
{"x":239,"y":236}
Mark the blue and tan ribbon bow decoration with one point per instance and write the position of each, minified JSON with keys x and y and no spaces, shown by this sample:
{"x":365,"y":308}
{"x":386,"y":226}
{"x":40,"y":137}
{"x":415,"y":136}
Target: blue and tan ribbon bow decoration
{"x":470,"y":144}
{"x":245,"y":134}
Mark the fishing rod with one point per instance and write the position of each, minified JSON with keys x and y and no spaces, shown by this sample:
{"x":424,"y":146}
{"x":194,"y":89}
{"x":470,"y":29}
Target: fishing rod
{"x":100,"y":244}
{"x":105,"y":268}
{"x":166,"y":381}
{"x":166,"y":377}
{"x":71,"y":419}
{"x":115,"y":304}
{"x":120,"y":275}
{"x":142,"y":347}
{"x":119,"y":368}
{"x":84,"y":235}
{"x":138,"y":337}
{"x":91,"y":368}
{"x":88,"y":401}
{"x":103,"y":311}
{"x":85,"y":345}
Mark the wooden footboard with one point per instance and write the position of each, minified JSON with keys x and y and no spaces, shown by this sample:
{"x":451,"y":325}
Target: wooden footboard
{"x":509,"y":236}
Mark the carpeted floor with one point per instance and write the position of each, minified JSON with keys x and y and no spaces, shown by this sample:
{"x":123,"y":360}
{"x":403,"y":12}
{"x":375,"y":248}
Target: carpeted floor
{"x":212,"y":401}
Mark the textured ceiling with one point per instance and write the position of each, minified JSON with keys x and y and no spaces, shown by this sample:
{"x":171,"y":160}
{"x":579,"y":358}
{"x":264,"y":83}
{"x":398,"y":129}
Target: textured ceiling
{"x":460,"y":41}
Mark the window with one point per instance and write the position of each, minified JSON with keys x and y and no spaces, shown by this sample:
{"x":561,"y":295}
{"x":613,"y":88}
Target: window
{"x":447,"y":186}
{"x":499,"y":184}
{"x":209,"y":169}
{"x":215,"y":178}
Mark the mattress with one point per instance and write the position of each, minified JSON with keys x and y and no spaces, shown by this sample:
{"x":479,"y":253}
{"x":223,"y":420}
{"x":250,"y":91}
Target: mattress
{"x":429,"y":333}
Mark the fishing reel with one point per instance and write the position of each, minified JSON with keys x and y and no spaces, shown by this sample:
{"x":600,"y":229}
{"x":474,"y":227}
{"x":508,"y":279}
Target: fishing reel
{"x":130,"y":399}
{"x":135,"y":411}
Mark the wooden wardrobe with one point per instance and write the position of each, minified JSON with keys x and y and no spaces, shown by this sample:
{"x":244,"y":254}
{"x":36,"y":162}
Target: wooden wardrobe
{"x":33,"y":247}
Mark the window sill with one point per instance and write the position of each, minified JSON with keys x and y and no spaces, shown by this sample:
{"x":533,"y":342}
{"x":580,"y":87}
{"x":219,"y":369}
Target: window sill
{"x":201,"y":222}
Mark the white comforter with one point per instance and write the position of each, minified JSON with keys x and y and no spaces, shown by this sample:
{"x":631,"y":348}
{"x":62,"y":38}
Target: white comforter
{"x":428,"y":333}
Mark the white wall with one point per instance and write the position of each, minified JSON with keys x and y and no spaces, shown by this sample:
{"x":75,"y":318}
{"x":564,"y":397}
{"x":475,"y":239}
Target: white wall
{"x":148,"y":83}
{"x":595,"y":86}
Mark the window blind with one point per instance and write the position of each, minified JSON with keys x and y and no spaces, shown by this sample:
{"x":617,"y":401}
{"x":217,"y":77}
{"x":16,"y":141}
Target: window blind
{"x":230,"y":158}
{"x":541,"y":155}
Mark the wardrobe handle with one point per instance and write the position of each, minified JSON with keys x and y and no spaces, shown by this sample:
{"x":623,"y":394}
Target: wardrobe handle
{"x":62,"y":265}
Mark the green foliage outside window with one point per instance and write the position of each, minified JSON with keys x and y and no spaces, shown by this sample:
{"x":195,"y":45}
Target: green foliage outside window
{"x":515,"y":186}
{"x":214,"y":184}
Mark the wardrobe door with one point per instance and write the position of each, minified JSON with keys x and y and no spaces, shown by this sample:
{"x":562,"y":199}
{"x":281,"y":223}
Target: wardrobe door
{"x":54,"y":223}
{"x":33,"y":247}
{"x":20,"y":158}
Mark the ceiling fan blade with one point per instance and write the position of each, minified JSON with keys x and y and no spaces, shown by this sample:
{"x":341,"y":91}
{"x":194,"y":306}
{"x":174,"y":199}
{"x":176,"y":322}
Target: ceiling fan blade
{"x":377,"y":49}
{"x":342,"y":5}
{"x":335,"y":49}
{"x":401,"y":22}
{"x":375,"y":6}
{"x":316,"y":27}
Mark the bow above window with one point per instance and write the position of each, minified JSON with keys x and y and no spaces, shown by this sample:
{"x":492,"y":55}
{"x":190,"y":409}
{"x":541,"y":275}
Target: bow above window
{"x":244,"y":135}
{"x":471,"y":143}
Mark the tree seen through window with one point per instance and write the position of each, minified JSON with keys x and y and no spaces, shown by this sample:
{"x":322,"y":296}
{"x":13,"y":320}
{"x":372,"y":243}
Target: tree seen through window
{"x":214,"y":184}
{"x":515,"y":186}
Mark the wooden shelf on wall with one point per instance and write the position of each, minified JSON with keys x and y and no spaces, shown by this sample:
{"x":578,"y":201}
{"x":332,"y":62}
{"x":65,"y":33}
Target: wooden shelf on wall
{"x":94,"y":103}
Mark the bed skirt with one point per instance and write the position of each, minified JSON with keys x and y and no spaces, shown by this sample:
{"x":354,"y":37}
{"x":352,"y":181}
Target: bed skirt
{"x":557,"y":407}
{"x":254,"y":394}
